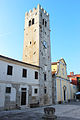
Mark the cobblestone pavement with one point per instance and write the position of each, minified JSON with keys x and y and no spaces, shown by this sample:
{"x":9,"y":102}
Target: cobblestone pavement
{"x":70,"y":111}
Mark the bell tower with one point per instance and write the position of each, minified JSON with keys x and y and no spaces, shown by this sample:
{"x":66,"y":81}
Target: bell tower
{"x":37,"y":49}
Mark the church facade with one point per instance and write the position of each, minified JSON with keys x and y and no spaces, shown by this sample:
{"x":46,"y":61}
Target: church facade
{"x":62,"y":89}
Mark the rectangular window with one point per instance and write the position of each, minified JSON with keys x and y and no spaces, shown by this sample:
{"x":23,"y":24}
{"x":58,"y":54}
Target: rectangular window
{"x":45,"y":77}
{"x":35,"y":91}
{"x":9,"y":70}
{"x":24,"y":74}
{"x":36,"y":75}
{"x":8,"y":89}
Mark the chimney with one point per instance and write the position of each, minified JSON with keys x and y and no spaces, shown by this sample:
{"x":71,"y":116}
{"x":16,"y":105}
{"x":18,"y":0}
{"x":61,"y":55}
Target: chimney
{"x":71,"y":73}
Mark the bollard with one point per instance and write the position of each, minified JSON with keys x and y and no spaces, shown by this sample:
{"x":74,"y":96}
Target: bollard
{"x":49,"y":113}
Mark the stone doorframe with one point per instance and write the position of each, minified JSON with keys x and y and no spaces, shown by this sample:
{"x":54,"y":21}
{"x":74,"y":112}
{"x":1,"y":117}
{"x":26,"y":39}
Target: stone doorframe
{"x":26,"y":95}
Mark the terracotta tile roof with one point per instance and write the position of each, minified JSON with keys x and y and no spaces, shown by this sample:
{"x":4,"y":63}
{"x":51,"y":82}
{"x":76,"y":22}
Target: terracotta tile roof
{"x":73,"y":78}
{"x":74,"y":81}
{"x":76,"y":75}
{"x":69,"y":75}
{"x":54,"y":63}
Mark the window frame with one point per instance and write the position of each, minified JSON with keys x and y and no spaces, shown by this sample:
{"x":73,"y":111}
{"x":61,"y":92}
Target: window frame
{"x":24,"y":73}
{"x":35,"y":90}
{"x":9,"y":70}
{"x":8,"y":90}
{"x":36,"y":75}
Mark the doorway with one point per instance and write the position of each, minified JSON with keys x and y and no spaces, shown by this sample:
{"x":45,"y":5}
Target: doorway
{"x":64,"y":95}
{"x":23,"y":96}
{"x":64,"y":91}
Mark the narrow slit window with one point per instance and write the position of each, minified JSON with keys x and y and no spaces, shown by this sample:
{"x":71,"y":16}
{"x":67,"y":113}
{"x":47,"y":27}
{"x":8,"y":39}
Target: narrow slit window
{"x":45,"y":90}
{"x":45,"y":77}
{"x":45,"y":24}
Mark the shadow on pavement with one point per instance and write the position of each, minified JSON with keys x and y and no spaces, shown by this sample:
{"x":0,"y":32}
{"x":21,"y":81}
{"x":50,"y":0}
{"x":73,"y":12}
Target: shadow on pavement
{"x":66,"y":118}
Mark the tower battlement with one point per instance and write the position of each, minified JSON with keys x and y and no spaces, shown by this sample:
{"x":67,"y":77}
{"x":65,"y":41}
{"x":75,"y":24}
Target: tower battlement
{"x":39,"y":8}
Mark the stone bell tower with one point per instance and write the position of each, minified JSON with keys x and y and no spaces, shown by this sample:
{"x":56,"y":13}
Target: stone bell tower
{"x":37,"y":49}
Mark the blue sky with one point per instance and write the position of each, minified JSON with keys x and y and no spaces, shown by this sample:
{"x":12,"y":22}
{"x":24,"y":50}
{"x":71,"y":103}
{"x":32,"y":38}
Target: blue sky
{"x":64,"y":25}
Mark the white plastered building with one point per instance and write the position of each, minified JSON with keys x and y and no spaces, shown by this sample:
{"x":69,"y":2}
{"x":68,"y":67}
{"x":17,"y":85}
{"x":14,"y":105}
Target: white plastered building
{"x":19,"y":83}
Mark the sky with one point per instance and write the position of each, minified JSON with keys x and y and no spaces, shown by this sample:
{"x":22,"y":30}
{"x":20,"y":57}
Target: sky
{"x":64,"y":26}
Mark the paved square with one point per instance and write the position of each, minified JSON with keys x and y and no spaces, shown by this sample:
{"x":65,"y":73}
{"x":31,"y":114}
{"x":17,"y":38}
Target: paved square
{"x":69,"y":111}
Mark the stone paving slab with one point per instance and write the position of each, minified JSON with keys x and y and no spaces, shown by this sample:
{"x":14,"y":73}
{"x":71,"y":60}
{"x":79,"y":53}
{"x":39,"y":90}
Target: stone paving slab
{"x":63,"y":112}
